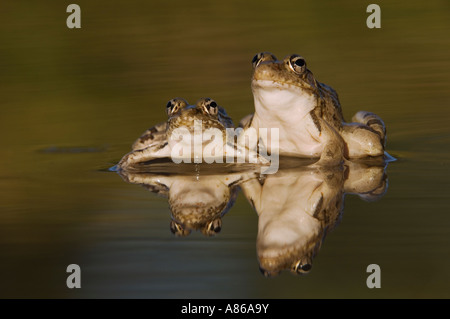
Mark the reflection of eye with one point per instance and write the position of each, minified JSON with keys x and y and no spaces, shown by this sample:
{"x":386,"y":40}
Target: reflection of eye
{"x":213,"y":227}
{"x":306,"y":267}
{"x":297,"y":64}
{"x":302,"y":268}
{"x":178,"y":229}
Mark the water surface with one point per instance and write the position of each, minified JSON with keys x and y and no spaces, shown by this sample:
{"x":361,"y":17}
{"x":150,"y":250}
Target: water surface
{"x":73,"y":101}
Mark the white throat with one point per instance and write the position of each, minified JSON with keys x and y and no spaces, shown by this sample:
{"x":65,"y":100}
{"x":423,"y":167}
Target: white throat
{"x":281,"y":103}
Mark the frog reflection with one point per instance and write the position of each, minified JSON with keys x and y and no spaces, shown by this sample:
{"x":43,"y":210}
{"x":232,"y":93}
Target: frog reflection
{"x":196,"y":201}
{"x":298,"y":207}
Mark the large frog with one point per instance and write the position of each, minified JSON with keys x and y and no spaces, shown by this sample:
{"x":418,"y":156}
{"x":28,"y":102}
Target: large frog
{"x":297,"y":207}
{"x":308,"y":113}
{"x":191,"y":133}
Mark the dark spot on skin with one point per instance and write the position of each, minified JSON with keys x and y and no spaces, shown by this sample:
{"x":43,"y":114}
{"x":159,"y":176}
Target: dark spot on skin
{"x":366,"y":128}
{"x":146,"y":137}
{"x":252,"y":202}
{"x":235,"y":182}
{"x":315,"y":120}
{"x":153,"y":130}
{"x":374,"y":121}
{"x":250,"y":122}
{"x":318,"y":207}
{"x":346,"y":172}
{"x":163,"y":145}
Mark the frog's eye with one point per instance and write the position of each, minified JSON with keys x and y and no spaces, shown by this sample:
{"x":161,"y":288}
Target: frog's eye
{"x":301,"y":267}
{"x":262,"y":57}
{"x":297,"y":64}
{"x":171,"y":108}
{"x":174,"y":105}
{"x":213,"y":108}
{"x":209,"y":106}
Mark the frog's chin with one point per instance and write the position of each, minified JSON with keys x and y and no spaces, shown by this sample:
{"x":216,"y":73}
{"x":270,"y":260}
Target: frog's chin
{"x":275,"y":97}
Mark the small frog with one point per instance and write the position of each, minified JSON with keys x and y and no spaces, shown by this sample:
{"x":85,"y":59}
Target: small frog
{"x":196,"y":132}
{"x":198,"y":198}
{"x":308,"y":113}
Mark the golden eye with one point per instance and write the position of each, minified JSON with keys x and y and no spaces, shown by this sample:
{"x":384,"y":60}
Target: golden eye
{"x":301,"y":268}
{"x":178,"y":229}
{"x":213,"y":228}
{"x":297,"y":64}
{"x":174,"y":105}
{"x":213,"y":109}
{"x":208,"y":106}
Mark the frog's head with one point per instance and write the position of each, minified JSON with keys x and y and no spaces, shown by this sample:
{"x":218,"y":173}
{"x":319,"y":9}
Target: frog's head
{"x":276,"y":253}
{"x":181,"y":114}
{"x":284,"y":84}
{"x":199,"y":205}
{"x":187,"y":123}
{"x":204,"y":108}
{"x":291,"y":231}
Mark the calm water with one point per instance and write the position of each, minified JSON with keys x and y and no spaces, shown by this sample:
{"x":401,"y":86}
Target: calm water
{"x":73,"y":101}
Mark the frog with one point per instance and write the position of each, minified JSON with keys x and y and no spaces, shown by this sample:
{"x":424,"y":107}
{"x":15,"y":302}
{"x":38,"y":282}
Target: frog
{"x":158,"y":132}
{"x":198,"y":197}
{"x":176,"y":138}
{"x":299,"y":205}
{"x":308,"y":114}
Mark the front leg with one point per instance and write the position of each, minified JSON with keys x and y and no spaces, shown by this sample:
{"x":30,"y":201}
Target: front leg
{"x":252,"y":189}
{"x":160,"y":150}
{"x":334,"y":145}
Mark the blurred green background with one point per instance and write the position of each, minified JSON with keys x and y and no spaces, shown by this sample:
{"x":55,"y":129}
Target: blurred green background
{"x":73,"y":100}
